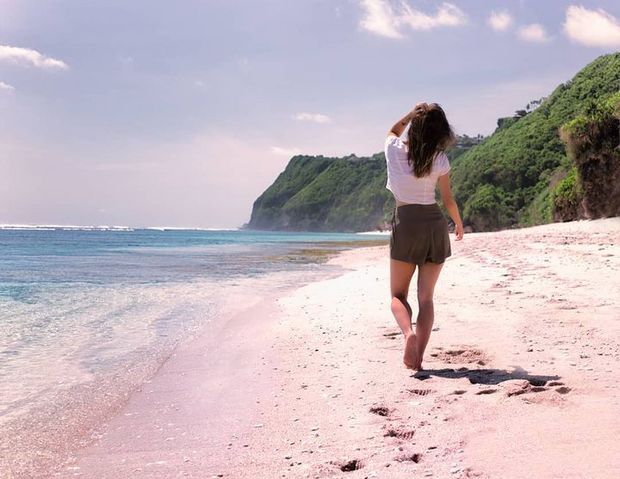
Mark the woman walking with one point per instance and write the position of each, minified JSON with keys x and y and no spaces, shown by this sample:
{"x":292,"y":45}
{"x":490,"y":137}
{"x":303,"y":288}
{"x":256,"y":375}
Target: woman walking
{"x":419,"y":229}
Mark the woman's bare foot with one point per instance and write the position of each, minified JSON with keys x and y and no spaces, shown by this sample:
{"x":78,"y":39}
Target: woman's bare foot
{"x":410,"y":358}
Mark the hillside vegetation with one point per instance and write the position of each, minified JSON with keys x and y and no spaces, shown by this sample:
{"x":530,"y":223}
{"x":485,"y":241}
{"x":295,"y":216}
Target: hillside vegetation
{"x":592,"y":187}
{"x":507,"y":179}
{"x":520,"y":175}
{"x":315,"y":193}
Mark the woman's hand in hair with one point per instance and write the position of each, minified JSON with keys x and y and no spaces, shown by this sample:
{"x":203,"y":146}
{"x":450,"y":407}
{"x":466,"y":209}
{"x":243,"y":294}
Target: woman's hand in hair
{"x":398,"y":127}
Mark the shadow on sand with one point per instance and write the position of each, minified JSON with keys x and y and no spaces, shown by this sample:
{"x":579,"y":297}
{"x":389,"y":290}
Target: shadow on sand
{"x":486,"y":376}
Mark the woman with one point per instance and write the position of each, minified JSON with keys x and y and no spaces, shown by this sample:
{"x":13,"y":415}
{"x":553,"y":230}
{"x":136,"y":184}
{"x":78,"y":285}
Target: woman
{"x":419,"y":229}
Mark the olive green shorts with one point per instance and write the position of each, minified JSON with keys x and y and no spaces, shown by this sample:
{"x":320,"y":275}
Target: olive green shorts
{"x":419,"y":234}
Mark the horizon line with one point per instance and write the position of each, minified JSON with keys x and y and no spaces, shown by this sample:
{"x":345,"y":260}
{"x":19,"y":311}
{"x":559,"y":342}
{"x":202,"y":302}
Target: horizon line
{"x":26,"y":226}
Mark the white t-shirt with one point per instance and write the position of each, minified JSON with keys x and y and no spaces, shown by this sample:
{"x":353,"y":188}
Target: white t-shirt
{"x":402,"y":182}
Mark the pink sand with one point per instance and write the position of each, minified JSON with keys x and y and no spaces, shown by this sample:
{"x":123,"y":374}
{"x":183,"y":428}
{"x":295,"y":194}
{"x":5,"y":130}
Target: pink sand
{"x":521,"y":375}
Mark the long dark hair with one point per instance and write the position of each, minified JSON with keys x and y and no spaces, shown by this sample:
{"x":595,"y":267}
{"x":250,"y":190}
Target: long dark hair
{"x":429,"y":133}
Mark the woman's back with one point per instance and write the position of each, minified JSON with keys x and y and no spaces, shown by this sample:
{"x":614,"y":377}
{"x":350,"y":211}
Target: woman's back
{"x":419,"y":238}
{"x":402,"y":182}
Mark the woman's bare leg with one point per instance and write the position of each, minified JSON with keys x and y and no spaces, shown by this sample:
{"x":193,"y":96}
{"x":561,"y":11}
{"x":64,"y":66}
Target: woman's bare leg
{"x":427,"y":278}
{"x":400,"y":278}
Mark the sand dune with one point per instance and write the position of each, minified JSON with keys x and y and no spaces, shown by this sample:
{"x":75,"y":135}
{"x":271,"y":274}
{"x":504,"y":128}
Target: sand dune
{"x":521,"y":375}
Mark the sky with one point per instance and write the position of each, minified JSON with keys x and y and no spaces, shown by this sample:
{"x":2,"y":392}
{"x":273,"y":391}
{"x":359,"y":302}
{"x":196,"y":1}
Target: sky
{"x":160,"y":113}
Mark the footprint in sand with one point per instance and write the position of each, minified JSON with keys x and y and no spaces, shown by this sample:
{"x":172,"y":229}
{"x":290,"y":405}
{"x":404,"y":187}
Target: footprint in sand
{"x":421,"y":392}
{"x":409,"y":457}
{"x":470,"y":472}
{"x":380,"y":411}
{"x":463,"y":355}
{"x":400,"y":433}
{"x":348,"y":466}
{"x":527,"y":388}
{"x":487,"y":391}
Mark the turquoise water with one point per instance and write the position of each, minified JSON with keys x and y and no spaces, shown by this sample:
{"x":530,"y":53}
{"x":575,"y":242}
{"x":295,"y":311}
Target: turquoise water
{"x":35,"y":259}
{"x":79,"y":304}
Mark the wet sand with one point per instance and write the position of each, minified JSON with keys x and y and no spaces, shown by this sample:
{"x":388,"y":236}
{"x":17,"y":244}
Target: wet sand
{"x":521,"y":375}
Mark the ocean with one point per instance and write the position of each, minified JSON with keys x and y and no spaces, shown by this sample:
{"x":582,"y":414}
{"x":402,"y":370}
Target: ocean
{"x":87,"y":314}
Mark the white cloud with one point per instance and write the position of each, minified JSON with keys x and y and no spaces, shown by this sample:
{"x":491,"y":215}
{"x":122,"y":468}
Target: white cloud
{"x":383,"y":18}
{"x":379,"y":18}
{"x":285,"y":151}
{"x":30,"y":57}
{"x":500,"y":21}
{"x":447,"y":15}
{"x":534,"y":33}
{"x":6,"y":86}
{"x":314,"y":117}
{"x":594,"y":28}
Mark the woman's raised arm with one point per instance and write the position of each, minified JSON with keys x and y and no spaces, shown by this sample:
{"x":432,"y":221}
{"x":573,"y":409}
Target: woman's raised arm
{"x":401,"y":124}
{"x":398,"y":127}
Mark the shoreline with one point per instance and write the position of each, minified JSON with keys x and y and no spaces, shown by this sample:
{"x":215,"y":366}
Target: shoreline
{"x":165,"y":404}
{"x":309,"y":383}
{"x":37,"y":441}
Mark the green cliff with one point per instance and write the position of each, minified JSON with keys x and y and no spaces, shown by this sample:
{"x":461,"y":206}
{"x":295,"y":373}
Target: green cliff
{"x":520,"y":175}
{"x":315,"y":193}
{"x":325,"y":194}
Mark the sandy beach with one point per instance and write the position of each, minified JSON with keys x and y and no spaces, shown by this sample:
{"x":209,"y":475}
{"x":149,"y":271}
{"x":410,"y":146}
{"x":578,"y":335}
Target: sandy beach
{"x":521,"y":375}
